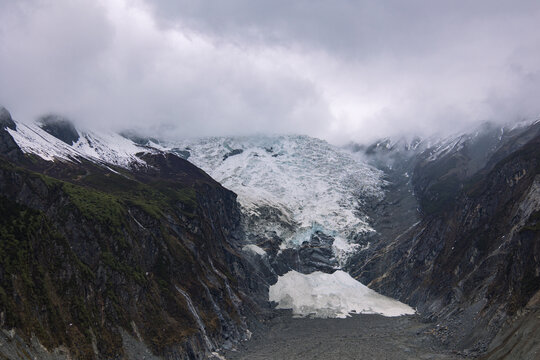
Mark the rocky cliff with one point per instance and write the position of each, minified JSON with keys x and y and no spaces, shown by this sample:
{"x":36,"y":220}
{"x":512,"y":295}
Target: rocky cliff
{"x":107,"y":262}
{"x":471,"y":263}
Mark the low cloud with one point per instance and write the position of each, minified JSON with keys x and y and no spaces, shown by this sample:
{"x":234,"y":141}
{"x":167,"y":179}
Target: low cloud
{"x":338,"y":70}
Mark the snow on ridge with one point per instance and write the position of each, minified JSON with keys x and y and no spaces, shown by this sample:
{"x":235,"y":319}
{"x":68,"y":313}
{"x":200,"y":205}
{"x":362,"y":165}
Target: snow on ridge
{"x":32,"y":139}
{"x":439,"y":147}
{"x":335,"y":295}
{"x":111,"y":149}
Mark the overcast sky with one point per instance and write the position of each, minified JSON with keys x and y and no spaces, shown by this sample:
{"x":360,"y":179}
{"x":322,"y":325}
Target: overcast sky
{"x":337,"y":69}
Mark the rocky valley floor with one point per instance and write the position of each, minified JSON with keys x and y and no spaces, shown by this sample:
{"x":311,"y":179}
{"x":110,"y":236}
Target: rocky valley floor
{"x":355,"y":338}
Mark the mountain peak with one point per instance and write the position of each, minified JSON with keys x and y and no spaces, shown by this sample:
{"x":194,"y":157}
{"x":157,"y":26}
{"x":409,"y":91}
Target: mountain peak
{"x":6,"y":120}
{"x":59,"y":127}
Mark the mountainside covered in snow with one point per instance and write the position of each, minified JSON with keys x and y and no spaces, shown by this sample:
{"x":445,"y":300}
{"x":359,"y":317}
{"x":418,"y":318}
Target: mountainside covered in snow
{"x":108,"y":149}
{"x":292,"y":187}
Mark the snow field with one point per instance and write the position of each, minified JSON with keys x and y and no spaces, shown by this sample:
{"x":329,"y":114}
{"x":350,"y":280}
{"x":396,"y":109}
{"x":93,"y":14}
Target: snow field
{"x":336,"y":295}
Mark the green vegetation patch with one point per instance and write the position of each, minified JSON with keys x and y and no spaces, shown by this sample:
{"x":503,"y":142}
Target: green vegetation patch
{"x":23,"y":234}
{"x":155,"y":198}
{"x":96,"y":205}
{"x":114,"y":263}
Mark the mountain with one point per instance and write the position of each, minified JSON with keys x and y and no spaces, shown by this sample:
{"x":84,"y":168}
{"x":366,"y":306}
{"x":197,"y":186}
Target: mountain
{"x":139,"y":215}
{"x":469,"y":258}
{"x":116,"y":245}
{"x":110,"y":250}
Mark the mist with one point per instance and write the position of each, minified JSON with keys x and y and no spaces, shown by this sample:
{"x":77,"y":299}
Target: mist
{"x":341,"y":70}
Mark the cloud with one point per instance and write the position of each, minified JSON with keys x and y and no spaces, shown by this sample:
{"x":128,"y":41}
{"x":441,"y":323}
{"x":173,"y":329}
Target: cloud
{"x":342,"y":70}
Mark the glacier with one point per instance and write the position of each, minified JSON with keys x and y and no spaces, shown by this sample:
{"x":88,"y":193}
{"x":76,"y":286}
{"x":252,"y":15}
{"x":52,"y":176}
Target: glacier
{"x":309,"y":184}
{"x":294,"y":187}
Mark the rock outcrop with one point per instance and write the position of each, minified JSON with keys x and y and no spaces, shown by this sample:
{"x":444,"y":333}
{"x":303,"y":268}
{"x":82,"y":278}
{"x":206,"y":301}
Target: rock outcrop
{"x":60,"y":128}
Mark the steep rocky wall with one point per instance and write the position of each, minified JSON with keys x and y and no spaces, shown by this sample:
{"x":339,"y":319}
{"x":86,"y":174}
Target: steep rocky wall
{"x":95,"y":261}
{"x":472,"y":262}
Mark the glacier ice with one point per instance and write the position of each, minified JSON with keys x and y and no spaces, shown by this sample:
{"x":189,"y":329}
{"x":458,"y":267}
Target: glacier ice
{"x":309,"y":184}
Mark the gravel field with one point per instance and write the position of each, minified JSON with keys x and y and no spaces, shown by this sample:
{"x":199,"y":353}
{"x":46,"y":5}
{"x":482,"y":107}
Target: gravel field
{"x":357,"y":337}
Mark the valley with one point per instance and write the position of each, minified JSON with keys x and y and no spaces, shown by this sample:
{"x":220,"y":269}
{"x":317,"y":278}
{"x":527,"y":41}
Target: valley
{"x":268,"y":247}
{"x":357,"y":337}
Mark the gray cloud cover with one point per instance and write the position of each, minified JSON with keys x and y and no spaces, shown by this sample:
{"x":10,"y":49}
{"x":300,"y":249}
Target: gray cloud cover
{"x":342,"y":70}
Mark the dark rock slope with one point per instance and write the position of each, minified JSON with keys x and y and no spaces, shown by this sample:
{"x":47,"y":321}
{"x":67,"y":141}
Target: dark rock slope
{"x":472,"y":262}
{"x":60,"y":128}
{"x":110,"y":264}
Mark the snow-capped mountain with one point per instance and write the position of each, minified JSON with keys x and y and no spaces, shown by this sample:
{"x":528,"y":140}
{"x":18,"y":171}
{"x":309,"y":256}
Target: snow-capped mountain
{"x":309,"y":185}
{"x":303,"y":200}
{"x":313,"y":221}
{"x":289,"y":187}
{"x":101,"y":148}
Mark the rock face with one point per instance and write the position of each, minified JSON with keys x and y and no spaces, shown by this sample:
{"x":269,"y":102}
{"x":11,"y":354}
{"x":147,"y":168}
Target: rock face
{"x":398,"y":210}
{"x":5,"y":119}
{"x":313,"y":255}
{"x":472,"y":261}
{"x":102,"y":262}
{"x":8,"y":147}
{"x":60,"y":128}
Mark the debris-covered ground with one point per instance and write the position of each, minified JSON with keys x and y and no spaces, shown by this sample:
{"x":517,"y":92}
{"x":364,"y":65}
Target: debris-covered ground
{"x":357,"y":337}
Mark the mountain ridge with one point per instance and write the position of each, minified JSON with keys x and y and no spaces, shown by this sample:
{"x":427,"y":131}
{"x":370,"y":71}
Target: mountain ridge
{"x":470,"y":261}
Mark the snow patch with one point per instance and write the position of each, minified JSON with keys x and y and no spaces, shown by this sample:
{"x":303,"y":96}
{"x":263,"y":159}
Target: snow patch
{"x":254,"y":249}
{"x":32,"y":139}
{"x":110,"y":148}
{"x":342,"y":248}
{"x":218,"y":356}
{"x":100,"y":148}
{"x":334,"y":295}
